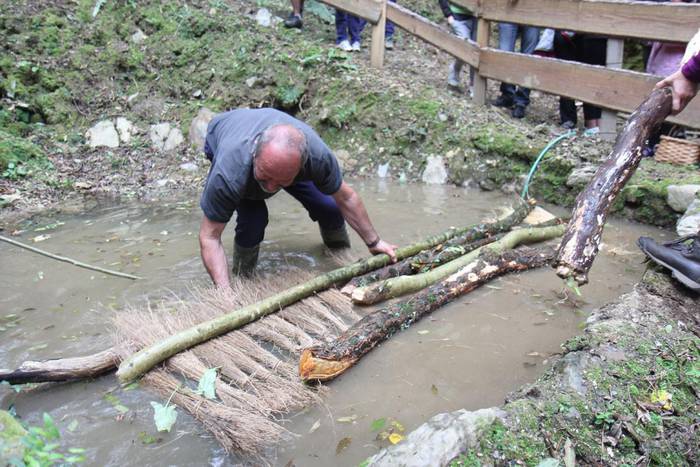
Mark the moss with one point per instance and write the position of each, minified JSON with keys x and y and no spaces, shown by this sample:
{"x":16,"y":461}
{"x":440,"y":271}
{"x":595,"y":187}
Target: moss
{"x":494,"y":141}
{"x":19,"y":157}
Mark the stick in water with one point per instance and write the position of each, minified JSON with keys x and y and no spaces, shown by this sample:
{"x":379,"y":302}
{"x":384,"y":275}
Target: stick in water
{"x":68,"y":260}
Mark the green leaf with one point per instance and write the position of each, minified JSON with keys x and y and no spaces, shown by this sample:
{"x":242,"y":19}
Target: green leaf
{"x":72,"y":426}
{"x":549,"y":462}
{"x":207,"y":384}
{"x":378,"y":424}
{"x":50,"y":427}
{"x":76,"y":450}
{"x":571,"y":283}
{"x":164,"y":416}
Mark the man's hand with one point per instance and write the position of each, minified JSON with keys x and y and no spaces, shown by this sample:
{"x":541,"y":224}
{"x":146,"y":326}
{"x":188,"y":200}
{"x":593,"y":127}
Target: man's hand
{"x":213,"y":255}
{"x":386,"y":248}
{"x":683,"y":90}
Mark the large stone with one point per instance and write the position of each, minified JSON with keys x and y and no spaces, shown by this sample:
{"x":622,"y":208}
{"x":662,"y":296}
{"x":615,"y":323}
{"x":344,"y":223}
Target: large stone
{"x":680,"y":196}
{"x":435,"y":171}
{"x":581,"y":175}
{"x":439,"y":440}
{"x":125,"y":129}
{"x":198,"y":128}
{"x":103,"y":134}
{"x":138,"y":37}
{"x":263,"y":17}
{"x":164,"y":137}
{"x":689,"y":224}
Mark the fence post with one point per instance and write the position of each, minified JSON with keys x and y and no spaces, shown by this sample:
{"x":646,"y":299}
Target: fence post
{"x":376,"y":58}
{"x":613,"y":59}
{"x":483,"y":32}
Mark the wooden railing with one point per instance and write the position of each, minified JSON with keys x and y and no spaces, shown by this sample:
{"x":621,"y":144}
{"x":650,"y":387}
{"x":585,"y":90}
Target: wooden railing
{"x":610,"y":88}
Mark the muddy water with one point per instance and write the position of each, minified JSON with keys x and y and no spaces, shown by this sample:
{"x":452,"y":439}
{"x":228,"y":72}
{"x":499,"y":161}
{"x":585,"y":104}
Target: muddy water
{"x":468,"y":354}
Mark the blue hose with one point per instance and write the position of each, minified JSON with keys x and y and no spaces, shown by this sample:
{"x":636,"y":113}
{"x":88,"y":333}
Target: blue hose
{"x":550,"y":145}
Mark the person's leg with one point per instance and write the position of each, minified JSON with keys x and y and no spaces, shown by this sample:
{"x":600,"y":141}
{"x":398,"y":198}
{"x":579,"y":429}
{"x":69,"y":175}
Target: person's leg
{"x":507,"y":35}
{"x":529,"y":36}
{"x":462,"y":30}
{"x":341,"y":26}
{"x":294,"y":19}
{"x":565,"y":49}
{"x":355,"y":26}
{"x":592,"y":51}
{"x":389,"y":33}
{"x":322,"y":209}
{"x":250,"y":230}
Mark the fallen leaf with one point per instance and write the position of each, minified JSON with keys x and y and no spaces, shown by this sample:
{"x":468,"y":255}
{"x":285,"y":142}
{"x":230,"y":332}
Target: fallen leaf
{"x":207,"y":384}
{"x":395,"y":438}
{"x":164,"y":416}
{"x":663,"y":398}
{"x":343,"y":445}
{"x":349,"y":419}
{"x":73,"y":425}
{"x":434,"y":389}
{"x":315,"y":426}
{"x":41,"y":238}
{"x":378,"y":424}
{"x":423,"y":332}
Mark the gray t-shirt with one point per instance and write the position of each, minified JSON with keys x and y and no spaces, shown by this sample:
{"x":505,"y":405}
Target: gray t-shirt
{"x":231,"y":139}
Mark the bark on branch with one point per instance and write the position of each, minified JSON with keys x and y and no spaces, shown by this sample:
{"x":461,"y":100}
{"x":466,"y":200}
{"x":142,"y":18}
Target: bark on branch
{"x":581,"y":241}
{"x":325,"y":362}
{"x":62,"y":369}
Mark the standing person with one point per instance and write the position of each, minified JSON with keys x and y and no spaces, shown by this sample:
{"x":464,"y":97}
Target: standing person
{"x":584,"y":48}
{"x":681,"y":256}
{"x":294,"y":18}
{"x":463,"y":24}
{"x":514,"y":96}
{"x":348,"y":31}
{"x":255,"y":153}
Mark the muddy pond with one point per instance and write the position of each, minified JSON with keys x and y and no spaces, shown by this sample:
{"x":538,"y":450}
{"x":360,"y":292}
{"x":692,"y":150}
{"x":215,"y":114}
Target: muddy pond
{"x":469,"y":354}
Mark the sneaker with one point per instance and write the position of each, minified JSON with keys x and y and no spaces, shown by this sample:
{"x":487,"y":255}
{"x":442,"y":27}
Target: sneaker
{"x":344,"y":45}
{"x":503,"y":101}
{"x":389,"y":43}
{"x":293,"y":21}
{"x":518,"y":111}
{"x":681,"y":256}
{"x":355,"y":46}
{"x":591,"y":131}
{"x":568,"y":125}
{"x":453,"y":77}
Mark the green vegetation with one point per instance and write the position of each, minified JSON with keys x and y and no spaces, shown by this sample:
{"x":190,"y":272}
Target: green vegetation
{"x":19,"y":158}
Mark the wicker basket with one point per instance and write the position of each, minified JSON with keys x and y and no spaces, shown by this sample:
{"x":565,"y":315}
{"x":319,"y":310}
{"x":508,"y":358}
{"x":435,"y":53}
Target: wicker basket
{"x":677,"y":151}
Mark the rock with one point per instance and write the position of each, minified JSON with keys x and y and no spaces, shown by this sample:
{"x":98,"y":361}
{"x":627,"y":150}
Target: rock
{"x":538,"y":215}
{"x":189,"y":167}
{"x":263,"y":17}
{"x":164,"y":137}
{"x":435,"y":172}
{"x":680,"y":196}
{"x":689,"y":224}
{"x":581,"y":175}
{"x":439,"y":440}
{"x":138,"y":37}
{"x":383,"y":170}
{"x":125,"y":129}
{"x":103,"y":134}
{"x":198,"y":128}
{"x":252,"y":81}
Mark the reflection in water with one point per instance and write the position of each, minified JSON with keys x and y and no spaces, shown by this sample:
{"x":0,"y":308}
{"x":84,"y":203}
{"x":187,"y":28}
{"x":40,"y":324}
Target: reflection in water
{"x":468,"y":354}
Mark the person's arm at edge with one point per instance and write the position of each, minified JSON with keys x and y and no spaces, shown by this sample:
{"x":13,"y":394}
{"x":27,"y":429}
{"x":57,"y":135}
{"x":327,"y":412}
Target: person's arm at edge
{"x":684,"y":82}
{"x":354,"y":212}
{"x":213,"y":253}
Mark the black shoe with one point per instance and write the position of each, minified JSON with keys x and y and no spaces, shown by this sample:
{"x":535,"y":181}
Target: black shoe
{"x":568,"y":125}
{"x":244,"y":260}
{"x":335,"y":239}
{"x":681,"y":256}
{"x":503,"y":101}
{"x":518,"y":111}
{"x":293,"y":21}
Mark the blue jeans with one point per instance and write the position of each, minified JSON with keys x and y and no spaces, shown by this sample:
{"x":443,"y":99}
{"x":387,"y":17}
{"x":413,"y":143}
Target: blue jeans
{"x":507,"y":35}
{"x":347,"y":25}
{"x":252,"y":214}
{"x":464,"y":29}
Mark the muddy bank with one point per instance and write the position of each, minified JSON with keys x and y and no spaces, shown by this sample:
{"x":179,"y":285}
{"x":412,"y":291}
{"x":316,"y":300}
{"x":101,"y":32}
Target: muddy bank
{"x":626,"y":391}
{"x":141,"y":73}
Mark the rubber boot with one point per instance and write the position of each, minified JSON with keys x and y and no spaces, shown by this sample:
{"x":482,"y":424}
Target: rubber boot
{"x":244,"y":260}
{"x":335,"y":239}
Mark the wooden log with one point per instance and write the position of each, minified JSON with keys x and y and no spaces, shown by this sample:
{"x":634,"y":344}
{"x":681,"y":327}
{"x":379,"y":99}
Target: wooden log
{"x":473,"y":233}
{"x":147,"y":358}
{"x":402,"y":285}
{"x":62,"y":369}
{"x":326,"y":361}
{"x":580,"y":243}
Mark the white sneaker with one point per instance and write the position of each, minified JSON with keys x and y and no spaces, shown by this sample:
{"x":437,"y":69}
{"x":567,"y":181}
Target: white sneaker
{"x":356,"y":47}
{"x":344,"y":45}
{"x":453,"y":77}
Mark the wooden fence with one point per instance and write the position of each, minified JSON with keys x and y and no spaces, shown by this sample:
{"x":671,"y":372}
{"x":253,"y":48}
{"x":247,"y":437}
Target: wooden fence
{"x":610,"y":88}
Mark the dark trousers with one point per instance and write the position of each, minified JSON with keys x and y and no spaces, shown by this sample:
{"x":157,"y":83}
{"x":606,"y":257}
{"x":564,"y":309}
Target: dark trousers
{"x":585,"y":49}
{"x":349,"y":27}
{"x":252,"y":214}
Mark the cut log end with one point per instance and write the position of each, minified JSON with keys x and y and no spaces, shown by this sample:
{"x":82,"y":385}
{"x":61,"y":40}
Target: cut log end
{"x":348,"y":289}
{"x":566,"y":272}
{"x":312,"y":368}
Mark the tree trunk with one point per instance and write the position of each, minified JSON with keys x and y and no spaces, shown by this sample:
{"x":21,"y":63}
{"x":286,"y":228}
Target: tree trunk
{"x":467,"y":236}
{"x":326,"y":361}
{"x":579,"y":246}
{"x":62,"y":369}
{"x":147,"y":358}
{"x":402,"y":285}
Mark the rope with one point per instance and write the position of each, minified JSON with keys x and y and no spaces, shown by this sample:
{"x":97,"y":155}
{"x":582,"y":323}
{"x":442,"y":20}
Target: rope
{"x":525,"y":195}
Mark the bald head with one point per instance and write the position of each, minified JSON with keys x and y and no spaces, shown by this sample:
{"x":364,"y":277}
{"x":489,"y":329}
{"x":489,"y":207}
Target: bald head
{"x":279,"y":155}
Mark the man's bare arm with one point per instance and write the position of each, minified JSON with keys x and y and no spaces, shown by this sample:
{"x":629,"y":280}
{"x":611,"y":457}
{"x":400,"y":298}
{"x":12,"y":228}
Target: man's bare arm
{"x":355,"y":214}
{"x":213,"y":254}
